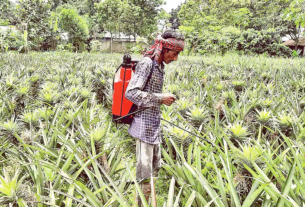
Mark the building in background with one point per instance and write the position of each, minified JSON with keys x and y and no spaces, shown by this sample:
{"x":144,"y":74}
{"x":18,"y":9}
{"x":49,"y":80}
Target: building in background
{"x":291,"y":44}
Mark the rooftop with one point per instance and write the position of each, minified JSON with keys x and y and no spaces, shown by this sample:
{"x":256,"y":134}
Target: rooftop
{"x":292,"y":42}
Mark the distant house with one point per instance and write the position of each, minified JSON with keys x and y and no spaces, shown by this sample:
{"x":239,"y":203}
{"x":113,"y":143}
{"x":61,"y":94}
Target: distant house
{"x":120,"y":42}
{"x":291,"y":44}
{"x":121,"y":37}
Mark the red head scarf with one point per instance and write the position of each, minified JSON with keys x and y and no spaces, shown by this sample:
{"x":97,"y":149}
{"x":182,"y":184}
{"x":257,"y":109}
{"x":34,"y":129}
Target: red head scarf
{"x":171,"y":43}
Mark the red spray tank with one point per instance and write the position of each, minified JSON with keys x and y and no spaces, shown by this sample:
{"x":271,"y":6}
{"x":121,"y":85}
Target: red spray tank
{"x":122,"y":108}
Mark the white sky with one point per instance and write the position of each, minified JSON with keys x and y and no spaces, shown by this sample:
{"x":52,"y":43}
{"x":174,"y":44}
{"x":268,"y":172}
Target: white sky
{"x":171,"y":4}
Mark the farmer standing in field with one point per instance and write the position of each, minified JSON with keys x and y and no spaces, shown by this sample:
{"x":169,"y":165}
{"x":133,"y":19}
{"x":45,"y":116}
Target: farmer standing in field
{"x":145,"y":90}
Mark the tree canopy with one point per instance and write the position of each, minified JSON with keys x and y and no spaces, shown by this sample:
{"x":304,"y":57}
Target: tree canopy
{"x":209,"y":25}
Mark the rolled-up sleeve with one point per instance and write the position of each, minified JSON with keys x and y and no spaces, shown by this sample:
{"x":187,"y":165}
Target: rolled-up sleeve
{"x":135,"y":90}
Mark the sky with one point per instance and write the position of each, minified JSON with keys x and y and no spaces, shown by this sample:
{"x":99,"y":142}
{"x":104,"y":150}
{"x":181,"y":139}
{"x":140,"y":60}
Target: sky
{"x":172,"y":4}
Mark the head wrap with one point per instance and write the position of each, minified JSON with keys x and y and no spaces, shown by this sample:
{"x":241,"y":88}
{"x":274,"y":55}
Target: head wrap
{"x":171,"y":43}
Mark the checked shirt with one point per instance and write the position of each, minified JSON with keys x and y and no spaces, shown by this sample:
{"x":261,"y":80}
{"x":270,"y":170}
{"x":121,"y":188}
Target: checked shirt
{"x":146,"y":93}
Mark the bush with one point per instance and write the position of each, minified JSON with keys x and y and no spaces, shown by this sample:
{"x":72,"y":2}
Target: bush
{"x":75,"y":25}
{"x":11,"y":39}
{"x":213,"y":39}
{"x":264,"y":41}
{"x":65,"y":47}
{"x":96,"y":46}
{"x":141,"y":45}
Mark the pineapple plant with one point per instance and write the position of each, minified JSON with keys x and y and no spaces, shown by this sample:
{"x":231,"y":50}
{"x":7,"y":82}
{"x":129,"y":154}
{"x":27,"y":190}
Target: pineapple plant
{"x":246,"y":155}
{"x":49,"y":97}
{"x":228,"y":97}
{"x":97,"y":137}
{"x":13,"y":189}
{"x":264,"y":117}
{"x":266,"y":76}
{"x":21,"y":98}
{"x":8,"y":129}
{"x":30,"y":119}
{"x":44,"y":113}
{"x":197,"y":115}
{"x":179,"y":136}
{"x":85,"y":93}
{"x":238,"y":85}
{"x":285,"y":123}
{"x":183,"y":106}
{"x":11,"y":80}
{"x":174,"y":89}
{"x":225,"y":75}
{"x":267,"y":103}
{"x":238,"y":133}
{"x":35,"y":83}
{"x":219,"y":86}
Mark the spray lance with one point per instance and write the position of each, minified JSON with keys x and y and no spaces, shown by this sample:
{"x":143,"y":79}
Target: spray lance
{"x":191,"y":133}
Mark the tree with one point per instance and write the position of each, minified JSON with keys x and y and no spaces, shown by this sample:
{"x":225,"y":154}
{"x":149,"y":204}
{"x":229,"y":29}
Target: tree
{"x":8,"y":14}
{"x":75,"y":25}
{"x":174,"y":20}
{"x":108,"y":15}
{"x":148,"y":15}
{"x":130,"y":18}
{"x":295,"y":13}
{"x":242,"y":17}
{"x":206,"y":18}
{"x":33,"y":17}
{"x":163,"y":19}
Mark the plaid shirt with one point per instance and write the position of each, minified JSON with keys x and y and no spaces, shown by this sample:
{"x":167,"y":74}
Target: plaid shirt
{"x":146,"y":93}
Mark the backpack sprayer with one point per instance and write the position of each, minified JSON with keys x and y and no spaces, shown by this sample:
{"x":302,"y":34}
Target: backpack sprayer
{"x":123,"y":110}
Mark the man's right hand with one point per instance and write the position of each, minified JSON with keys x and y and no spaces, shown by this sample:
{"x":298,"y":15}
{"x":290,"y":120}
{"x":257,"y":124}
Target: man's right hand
{"x":168,"y":99}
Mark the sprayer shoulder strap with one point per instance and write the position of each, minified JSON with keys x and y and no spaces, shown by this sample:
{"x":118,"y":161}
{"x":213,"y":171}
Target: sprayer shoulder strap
{"x":150,"y":73}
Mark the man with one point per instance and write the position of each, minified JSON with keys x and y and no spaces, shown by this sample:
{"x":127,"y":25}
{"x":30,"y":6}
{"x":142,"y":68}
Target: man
{"x":145,"y":90}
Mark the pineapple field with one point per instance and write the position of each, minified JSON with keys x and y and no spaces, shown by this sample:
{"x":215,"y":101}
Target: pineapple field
{"x":59,"y":146}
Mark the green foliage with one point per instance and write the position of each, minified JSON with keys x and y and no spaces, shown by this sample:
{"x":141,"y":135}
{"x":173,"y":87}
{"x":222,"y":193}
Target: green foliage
{"x":96,"y":46}
{"x":296,"y":12}
{"x":220,"y":26}
{"x":108,"y":14}
{"x":163,"y":18}
{"x":147,"y":12}
{"x":29,"y":12}
{"x":56,"y":132}
{"x":130,"y":18}
{"x":75,"y":25}
{"x":211,"y":26}
{"x":212,"y":39}
{"x":259,"y":42}
{"x":140,"y":46}
{"x":8,"y":13}
{"x":11,"y":39}
{"x":241,"y":17}
{"x":174,"y":20}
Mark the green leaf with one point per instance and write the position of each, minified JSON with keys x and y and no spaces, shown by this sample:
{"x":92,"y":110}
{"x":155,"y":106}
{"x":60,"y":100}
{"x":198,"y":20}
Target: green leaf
{"x":191,"y":199}
{"x":231,"y":186}
{"x":287,"y":184}
{"x":70,"y":192}
{"x":21,"y":202}
{"x":171,"y":192}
